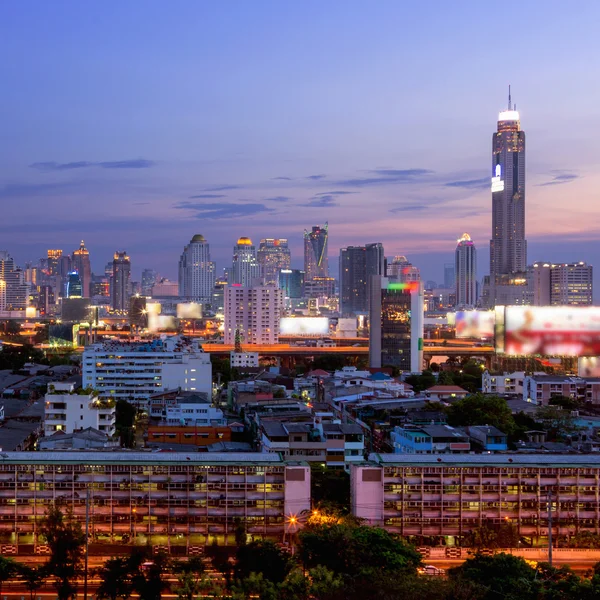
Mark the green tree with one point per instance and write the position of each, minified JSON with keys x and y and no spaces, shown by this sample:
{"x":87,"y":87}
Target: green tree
{"x":33,"y":577}
{"x":562,"y":584}
{"x":125,"y":414}
{"x":445,"y":378}
{"x":329,"y":487}
{"x":296,"y":586}
{"x":477,"y":409}
{"x":65,"y":539}
{"x":219,"y":556}
{"x":325,"y":584}
{"x":148,"y":573}
{"x":421,"y":382}
{"x":502,"y":576}
{"x":555,"y":419}
{"x":262,"y":557}
{"x":8,"y":570}
{"x":565,"y":402}
{"x":115,"y":579}
{"x":255,"y":585}
{"x":188,"y":586}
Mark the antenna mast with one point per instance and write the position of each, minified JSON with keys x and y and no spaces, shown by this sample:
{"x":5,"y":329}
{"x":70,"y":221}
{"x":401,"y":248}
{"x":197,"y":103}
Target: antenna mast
{"x":509,"y":99}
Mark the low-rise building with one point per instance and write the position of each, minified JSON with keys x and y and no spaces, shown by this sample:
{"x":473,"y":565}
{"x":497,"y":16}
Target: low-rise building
{"x":490,"y":438}
{"x":84,"y":439}
{"x":68,"y":409}
{"x":540,"y":389}
{"x":507,"y":383}
{"x":446,"y":393}
{"x":430,"y":439}
{"x":243,"y":359}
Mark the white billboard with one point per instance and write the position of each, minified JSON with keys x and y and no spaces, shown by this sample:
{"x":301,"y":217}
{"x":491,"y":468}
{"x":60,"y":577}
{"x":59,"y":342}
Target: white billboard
{"x":304,"y":326}
{"x":189,"y":310}
{"x":474,"y":323}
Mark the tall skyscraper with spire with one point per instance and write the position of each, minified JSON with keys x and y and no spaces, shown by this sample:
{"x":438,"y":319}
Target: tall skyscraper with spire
{"x":508,"y":247}
{"x":316,"y":263}
{"x":81,"y":264}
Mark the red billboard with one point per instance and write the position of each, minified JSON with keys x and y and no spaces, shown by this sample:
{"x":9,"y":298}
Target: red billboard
{"x":552,"y":330}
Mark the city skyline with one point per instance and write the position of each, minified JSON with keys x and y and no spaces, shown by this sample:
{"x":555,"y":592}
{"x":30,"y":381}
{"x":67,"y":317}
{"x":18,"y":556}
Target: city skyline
{"x":322,"y":135}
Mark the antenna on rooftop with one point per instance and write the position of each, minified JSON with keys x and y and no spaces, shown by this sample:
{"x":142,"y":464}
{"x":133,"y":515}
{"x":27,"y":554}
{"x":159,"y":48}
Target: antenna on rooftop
{"x":509,"y":98}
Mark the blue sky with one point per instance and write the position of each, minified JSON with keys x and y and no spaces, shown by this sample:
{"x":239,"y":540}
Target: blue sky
{"x":135,"y":125}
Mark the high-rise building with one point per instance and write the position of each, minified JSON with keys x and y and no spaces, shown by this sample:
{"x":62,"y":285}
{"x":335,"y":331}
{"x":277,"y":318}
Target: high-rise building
{"x":273,"y":255}
{"x":81,"y":263}
{"x":400,"y":270}
{"x":316,"y":263}
{"x":357,"y":264}
{"x":15,"y":293}
{"x":395,"y":324}
{"x":291,"y":281}
{"x":245,"y":268}
{"x":74,"y":287}
{"x":449,"y":276}
{"x":149,"y":278}
{"x":197,"y":271}
{"x":466,"y":272}
{"x":121,"y":280}
{"x":508,"y":247}
{"x":562,"y":284}
{"x":254,"y":313}
{"x":54,"y":257}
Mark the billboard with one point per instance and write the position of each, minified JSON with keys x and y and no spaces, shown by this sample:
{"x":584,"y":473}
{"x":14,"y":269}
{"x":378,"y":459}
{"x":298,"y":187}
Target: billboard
{"x":189,"y":310}
{"x":552,"y":330}
{"x":304,"y":326}
{"x":474,"y":323}
{"x":588,"y":366}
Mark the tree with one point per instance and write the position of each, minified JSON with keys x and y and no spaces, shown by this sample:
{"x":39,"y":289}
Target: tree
{"x":115,"y":578}
{"x":502,"y":575}
{"x":65,"y":539}
{"x":147,"y":573}
{"x":252,"y":586}
{"x":325,"y":584}
{"x":330,"y":487}
{"x":296,"y":586}
{"x":124,"y":419}
{"x":262,"y":557}
{"x":8,"y":569}
{"x":421,"y":382}
{"x":477,"y":409}
{"x":445,"y":378}
{"x":555,"y":419}
{"x":189,"y":586}
{"x":33,"y":577}
{"x":219,"y":556}
{"x":565,"y":402}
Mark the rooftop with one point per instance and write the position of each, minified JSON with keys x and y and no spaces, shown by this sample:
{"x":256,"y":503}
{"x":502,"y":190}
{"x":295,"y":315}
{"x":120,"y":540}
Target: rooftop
{"x":506,"y":460}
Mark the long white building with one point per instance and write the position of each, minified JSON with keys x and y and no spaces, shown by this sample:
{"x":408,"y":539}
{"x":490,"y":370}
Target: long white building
{"x":135,"y":370}
{"x":255,"y":312}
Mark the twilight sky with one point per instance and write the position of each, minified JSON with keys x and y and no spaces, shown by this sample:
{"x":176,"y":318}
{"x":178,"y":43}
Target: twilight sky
{"x":134,"y":125}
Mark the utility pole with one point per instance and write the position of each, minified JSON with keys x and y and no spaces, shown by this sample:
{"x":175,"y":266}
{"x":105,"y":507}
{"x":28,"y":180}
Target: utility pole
{"x":550,"y":528}
{"x":87,"y":531}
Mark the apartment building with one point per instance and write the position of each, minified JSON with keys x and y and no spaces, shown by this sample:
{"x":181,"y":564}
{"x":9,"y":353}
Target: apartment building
{"x":430,"y":439}
{"x":507,"y":383}
{"x":136,"y":370}
{"x":174,"y":500}
{"x":450,"y":495}
{"x":68,"y":409}
{"x":540,"y":389}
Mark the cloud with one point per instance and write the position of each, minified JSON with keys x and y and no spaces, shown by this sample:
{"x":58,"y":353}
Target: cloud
{"x":279,"y":199}
{"x":281,"y":179}
{"x":409,"y":208}
{"x":223,"y":211}
{"x":140,"y":203}
{"x":209,"y":196}
{"x":470,"y":184}
{"x":335,"y":192}
{"x":322,"y":201}
{"x":387,"y":176}
{"x":138,"y":163}
{"x":561,"y":178}
{"x":316,"y":177}
{"x":24,"y":190}
{"x":222,"y":188}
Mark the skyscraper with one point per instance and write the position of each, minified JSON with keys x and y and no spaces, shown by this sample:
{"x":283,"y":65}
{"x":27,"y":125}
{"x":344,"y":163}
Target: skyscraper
{"x":120,"y":288}
{"x":54,"y":257}
{"x":273,"y":255}
{"x":74,"y":287}
{"x":449,"y":276}
{"x":291,"y":282}
{"x":196,"y":271}
{"x":562,"y":284}
{"x":245,"y":268}
{"x":149,"y":278}
{"x":15,"y":290}
{"x":508,"y":247}
{"x":395,"y":324}
{"x":399,"y":269}
{"x":465,"y":268}
{"x":316,"y":263}
{"x":81,"y":264}
{"x":357,"y":264}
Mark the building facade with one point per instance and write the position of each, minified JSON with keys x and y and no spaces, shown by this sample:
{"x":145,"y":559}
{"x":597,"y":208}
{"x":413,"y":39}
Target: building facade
{"x":316,"y":263}
{"x":80,"y":262}
{"x":508,"y":247}
{"x":400,"y":270}
{"x":121,"y":282}
{"x":254,"y":313}
{"x":395,"y":324}
{"x":197,"y":272}
{"x":135,"y":370}
{"x":357,"y":264}
{"x":562,"y":284}
{"x":291,"y":281}
{"x":273,"y":255}
{"x":465,"y":268}
{"x":245,"y":269}
{"x":183,"y":501}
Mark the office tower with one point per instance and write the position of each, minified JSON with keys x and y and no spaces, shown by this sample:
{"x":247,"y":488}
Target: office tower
{"x":449,"y":276}
{"x":319,"y":287}
{"x":54,"y":257}
{"x":254,"y":312}
{"x":196,"y":271}
{"x":357,"y":264}
{"x":74,"y":287}
{"x":291,"y":281}
{"x":149,"y":278}
{"x":466,"y":272}
{"x":15,"y":293}
{"x":217,"y":303}
{"x":273,"y":255}
{"x":316,"y":263}
{"x":121,"y":279}
{"x":400,"y":270}
{"x":562,"y":284}
{"x":164,"y":289}
{"x":81,"y":263}
{"x":508,"y":247}
{"x":395,"y":324}
{"x":245,"y":268}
